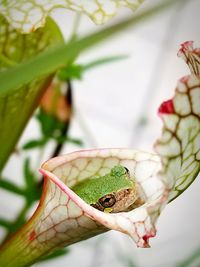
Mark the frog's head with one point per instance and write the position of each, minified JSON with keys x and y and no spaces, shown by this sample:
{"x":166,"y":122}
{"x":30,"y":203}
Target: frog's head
{"x":120,"y":191}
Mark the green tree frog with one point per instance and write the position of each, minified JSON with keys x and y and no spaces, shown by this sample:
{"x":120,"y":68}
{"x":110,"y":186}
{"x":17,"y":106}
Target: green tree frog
{"x":113,"y":192}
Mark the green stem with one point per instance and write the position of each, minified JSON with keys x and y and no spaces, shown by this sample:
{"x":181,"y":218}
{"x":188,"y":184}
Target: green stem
{"x":24,"y":248}
{"x":21,"y":249}
{"x":75,"y":27}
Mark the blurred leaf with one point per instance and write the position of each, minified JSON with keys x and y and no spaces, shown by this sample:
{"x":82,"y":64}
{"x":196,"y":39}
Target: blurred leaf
{"x":35,"y":143}
{"x":126,"y":260}
{"x":33,"y":191}
{"x":20,"y":220}
{"x":130,"y":263}
{"x":10,"y":186}
{"x":76,"y":71}
{"x":56,"y":254}
{"x":50,"y":125}
{"x":65,"y":139}
{"x":54,"y":59}
{"x":192,"y":260}
{"x":17,"y":107}
{"x":143,"y":121}
{"x":28,"y":175}
{"x":6,"y":60}
{"x":103,"y":61}
{"x":6,"y":224}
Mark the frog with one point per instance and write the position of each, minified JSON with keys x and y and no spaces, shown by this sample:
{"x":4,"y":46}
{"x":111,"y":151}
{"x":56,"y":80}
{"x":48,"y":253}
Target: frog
{"x":111,"y":193}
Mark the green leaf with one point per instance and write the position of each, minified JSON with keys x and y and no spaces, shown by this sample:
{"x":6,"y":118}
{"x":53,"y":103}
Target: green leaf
{"x":35,"y":143}
{"x":50,"y":125}
{"x":20,"y":219}
{"x":76,"y":71}
{"x":55,"y":58}
{"x":103,"y":61}
{"x":71,"y":72}
{"x":66,"y":139}
{"x":11,"y":187}
{"x":33,"y":188}
{"x":17,"y":107}
{"x":28,"y":175}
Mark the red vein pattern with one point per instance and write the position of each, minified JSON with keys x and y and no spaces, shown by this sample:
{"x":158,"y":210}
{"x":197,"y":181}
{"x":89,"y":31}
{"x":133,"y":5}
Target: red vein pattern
{"x":179,"y":146}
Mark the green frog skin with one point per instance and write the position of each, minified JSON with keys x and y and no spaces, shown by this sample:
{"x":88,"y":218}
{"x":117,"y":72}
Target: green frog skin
{"x":113,"y":192}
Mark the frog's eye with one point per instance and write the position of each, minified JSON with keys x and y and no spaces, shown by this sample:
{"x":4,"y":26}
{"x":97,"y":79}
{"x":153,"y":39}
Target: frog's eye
{"x":107,"y":201}
{"x":127,"y":170}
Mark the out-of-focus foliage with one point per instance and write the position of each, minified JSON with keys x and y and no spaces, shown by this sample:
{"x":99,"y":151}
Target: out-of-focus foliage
{"x":17,"y":107}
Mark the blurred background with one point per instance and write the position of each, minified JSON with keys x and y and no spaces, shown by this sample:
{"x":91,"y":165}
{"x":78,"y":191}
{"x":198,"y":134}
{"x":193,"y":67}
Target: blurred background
{"x":115,"y":105}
